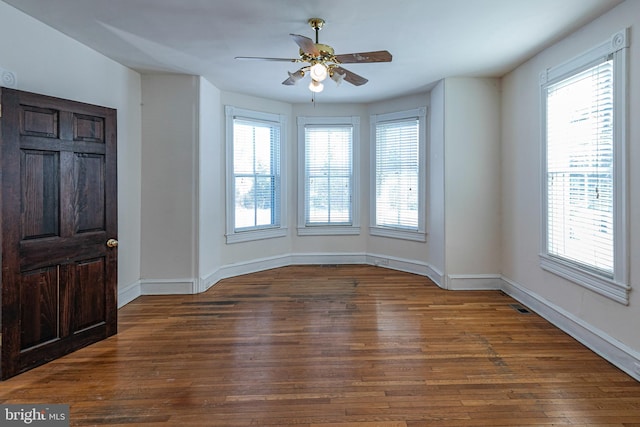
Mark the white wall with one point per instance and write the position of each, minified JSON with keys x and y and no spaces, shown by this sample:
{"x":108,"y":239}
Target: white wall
{"x":436,"y":239}
{"x":182,"y":184}
{"x":472,"y":181}
{"x":170,"y":109}
{"x":592,"y":317}
{"x":210,"y":183}
{"x":464,"y":226}
{"x":50,"y":63}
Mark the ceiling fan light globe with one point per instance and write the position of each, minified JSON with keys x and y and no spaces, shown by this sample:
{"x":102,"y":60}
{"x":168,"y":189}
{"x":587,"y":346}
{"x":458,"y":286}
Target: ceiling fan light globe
{"x":296,"y":76}
{"x":318,"y":72}
{"x":315,"y":86}
{"x":337,"y":77}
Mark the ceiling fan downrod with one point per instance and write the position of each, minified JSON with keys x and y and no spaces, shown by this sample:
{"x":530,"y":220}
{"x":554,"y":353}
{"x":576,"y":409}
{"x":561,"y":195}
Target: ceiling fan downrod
{"x":316,"y":24}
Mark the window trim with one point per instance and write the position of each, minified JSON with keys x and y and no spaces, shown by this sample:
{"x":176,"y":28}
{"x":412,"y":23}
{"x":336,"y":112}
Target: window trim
{"x":420,"y":234}
{"x":305,"y":229}
{"x":616,"y":288}
{"x":262,"y":232}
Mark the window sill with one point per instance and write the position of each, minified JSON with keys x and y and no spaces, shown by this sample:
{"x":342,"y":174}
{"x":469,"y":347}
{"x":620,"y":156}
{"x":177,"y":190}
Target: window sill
{"x":604,"y":286}
{"x":251,"y":235}
{"x":416,"y":236}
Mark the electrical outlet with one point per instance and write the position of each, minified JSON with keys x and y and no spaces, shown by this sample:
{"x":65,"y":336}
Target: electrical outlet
{"x":382,"y":261}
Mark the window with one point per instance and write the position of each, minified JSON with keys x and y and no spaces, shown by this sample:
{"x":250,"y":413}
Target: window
{"x":584,"y":224}
{"x":398,"y":165}
{"x":254,"y":177}
{"x":328,"y":173}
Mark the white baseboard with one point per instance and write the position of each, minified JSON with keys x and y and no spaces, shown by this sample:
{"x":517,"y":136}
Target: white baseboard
{"x":607,"y":347}
{"x":328,"y":258}
{"x":168,"y":286}
{"x":155,"y":287}
{"x":407,"y":265}
{"x":233,"y":270}
{"x":185,"y":286}
{"x":128,"y":294}
{"x":262,"y":264}
{"x":436,"y":276}
{"x":473,"y":282}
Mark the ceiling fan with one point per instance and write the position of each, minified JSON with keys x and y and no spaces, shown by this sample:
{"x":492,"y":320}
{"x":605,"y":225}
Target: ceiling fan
{"x":322,"y":62}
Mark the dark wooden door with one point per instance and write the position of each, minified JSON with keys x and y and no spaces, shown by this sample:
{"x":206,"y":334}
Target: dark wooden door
{"x":58,"y":195}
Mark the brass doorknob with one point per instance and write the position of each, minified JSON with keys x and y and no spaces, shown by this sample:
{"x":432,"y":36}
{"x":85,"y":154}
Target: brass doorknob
{"x":112,"y":243}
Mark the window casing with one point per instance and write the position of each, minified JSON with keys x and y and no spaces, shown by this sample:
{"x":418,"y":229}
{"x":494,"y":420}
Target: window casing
{"x":584,"y":221}
{"x":328,"y":175}
{"x":398,"y":166}
{"x":255,"y":179}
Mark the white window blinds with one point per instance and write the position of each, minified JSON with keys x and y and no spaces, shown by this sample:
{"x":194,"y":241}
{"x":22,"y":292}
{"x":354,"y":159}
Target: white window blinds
{"x":328,"y":175}
{"x":256,"y":174}
{"x":397,"y":169}
{"x":579,"y":120}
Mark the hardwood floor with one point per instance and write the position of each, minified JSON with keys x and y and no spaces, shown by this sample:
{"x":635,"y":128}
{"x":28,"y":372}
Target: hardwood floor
{"x":333,"y":346}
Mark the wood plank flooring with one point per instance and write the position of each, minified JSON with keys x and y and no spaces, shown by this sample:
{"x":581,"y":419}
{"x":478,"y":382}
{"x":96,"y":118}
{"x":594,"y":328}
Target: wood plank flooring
{"x":342,"y":346}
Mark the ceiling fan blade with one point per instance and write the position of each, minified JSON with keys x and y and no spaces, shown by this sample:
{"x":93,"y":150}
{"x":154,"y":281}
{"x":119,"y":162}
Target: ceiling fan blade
{"x":352,"y":58}
{"x":259,"y":58}
{"x":306,"y":44}
{"x":350,"y":77}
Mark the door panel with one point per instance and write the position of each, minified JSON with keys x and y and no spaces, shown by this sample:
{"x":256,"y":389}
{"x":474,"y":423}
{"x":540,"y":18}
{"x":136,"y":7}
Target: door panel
{"x":39,"y":307}
{"x":40,"y":183}
{"x":89,"y":289}
{"x":88,"y":128}
{"x":89,"y":191}
{"x":39,"y":122}
{"x":58,"y":210}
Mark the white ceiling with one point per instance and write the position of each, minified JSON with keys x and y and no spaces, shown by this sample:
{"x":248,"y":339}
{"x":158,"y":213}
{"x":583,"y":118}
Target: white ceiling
{"x":429,"y":39}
